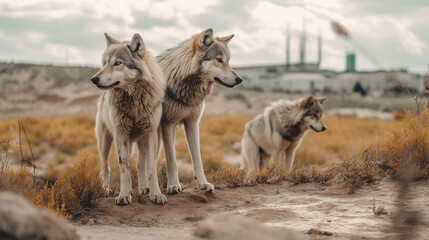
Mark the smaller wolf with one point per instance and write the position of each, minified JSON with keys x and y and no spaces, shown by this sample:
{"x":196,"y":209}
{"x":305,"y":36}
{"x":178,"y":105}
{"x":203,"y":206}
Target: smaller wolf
{"x":278,"y":130}
{"x":130,"y":110}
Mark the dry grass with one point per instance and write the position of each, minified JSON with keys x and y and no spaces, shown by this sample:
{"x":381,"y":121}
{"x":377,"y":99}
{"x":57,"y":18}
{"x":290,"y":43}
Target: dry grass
{"x":404,"y":148}
{"x":367,"y":150}
{"x":80,"y":189}
{"x":352,"y":150}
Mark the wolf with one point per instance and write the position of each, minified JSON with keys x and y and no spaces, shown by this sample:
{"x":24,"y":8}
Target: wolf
{"x":280,"y":129}
{"x":130,"y":111}
{"x":191,"y":69}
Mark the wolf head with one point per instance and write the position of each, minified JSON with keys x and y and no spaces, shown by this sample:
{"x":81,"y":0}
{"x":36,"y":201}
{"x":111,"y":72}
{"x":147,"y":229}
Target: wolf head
{"x":120,"y":63}
{"x":313,"y":111}
{"x":215,"y":57}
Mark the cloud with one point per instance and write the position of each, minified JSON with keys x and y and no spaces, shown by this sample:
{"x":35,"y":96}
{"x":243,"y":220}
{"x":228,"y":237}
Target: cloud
{"x":393,"y":31}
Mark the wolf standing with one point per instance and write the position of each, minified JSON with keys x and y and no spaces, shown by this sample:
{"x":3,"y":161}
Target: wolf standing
{"x":191,"y":69}
{"x":130,"y":110}
{"x":280,"y":129}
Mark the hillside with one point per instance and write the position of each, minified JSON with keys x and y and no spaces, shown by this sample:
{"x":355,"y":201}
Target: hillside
{"x":27,"y":89}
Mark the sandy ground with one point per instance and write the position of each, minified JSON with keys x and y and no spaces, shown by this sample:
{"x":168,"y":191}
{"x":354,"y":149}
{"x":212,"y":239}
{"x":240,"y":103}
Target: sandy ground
{"x":284,"y":205}
{"x":237,"y":101}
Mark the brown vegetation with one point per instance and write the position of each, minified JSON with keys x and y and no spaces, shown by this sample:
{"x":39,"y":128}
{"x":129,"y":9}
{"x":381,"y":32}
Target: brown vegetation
{"x":352,"y":151}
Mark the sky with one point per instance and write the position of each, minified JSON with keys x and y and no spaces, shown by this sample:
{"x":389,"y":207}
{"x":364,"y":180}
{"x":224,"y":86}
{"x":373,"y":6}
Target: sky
{"x":384,"y":34}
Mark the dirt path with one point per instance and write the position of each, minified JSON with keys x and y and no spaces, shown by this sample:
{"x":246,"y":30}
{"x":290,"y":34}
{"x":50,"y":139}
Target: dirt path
{"x":296,"y":207}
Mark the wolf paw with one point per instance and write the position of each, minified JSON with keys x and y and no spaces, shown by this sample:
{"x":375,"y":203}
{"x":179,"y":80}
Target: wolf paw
{"x":174,"y":189}
{"x":158,"y":198}
{"x":123,"y":199}
{"x":144,"y":190}
{"x":207,"y":187}
{"x":107,"y":192}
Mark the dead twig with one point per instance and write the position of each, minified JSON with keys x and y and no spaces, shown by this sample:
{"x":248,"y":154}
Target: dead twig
{"x":32,"y":163}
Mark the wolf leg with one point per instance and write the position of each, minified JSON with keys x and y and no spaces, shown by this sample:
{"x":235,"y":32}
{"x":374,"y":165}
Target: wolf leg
{"x":289,"y":159}
{"x":250,"y":153}
{"x":193,"y":138}
{"x":150,"y":147}
{"x":104,"y":144}
{"x":290,"y":155}
{"x":173,"y":184}
{"x":142,"y":167}
{"x":123,"y":148}
{"x":275,"y":157}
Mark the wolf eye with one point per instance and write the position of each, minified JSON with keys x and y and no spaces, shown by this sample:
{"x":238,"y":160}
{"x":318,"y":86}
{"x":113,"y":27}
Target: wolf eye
{"x":117,"y":63}
{"x":219,"y":60}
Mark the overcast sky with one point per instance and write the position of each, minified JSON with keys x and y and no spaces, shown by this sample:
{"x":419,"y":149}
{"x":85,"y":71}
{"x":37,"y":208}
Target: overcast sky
{"x":394,"y":32}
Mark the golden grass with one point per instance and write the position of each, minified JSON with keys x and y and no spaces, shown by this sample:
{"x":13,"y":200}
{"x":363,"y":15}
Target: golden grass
{"x":80,"y":189}
{"x":356,"y":151}
{"x":404,"y":148}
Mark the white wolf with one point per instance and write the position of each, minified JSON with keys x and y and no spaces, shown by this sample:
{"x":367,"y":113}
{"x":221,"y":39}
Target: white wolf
{"x":130,"y":110}
{"x":280,"y":129}
{"x":191,"y":69}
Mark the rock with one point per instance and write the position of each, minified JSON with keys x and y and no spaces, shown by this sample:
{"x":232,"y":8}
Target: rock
{"x":20,"y":220}
{"x":379,"y":210}
{"x":314,"y":231}
{"x":239,"y":228}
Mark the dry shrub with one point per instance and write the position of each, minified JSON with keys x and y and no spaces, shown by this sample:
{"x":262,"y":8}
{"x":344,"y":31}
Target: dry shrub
{"x":300,"y":174}
{"x":236,"y":177}
{"x":70,"y":194}
{"x":19,"y":182}
{"x":271,"y":174}
{"x":229,"y":177}
{"x":356,"y":172}
{"x":323,"y":175}
{"x":86,"y":183}
{"x":67,"y":196}
{"x":398,"y":115}
{"x":405,"y":147}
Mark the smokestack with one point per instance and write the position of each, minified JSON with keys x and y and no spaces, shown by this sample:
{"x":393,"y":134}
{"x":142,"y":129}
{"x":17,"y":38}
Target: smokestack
{"x":302,"y":45}
{"x":287,"y":46}
{"x":319,"y":52}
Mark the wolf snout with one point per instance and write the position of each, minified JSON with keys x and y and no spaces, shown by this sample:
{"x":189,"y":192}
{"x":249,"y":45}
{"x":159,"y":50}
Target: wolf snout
{"x":238,"y":80}
{"x":95,"y":80}
{"x":323,"y":129}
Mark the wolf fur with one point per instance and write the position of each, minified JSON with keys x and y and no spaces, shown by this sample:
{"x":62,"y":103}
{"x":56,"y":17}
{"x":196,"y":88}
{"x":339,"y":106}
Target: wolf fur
{"x":191,"y":69}
{"x":280,"y":129}
{"x":130,"y":111}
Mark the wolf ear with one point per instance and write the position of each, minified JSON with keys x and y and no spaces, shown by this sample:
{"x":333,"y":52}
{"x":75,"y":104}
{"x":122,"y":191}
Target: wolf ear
{"x":226,"y":39}
{"x":205,"y":38}
{"x":136,"y":45}
{"x":307,"y":103}
{"x":321,"y":99}
{"x":110,"y":40}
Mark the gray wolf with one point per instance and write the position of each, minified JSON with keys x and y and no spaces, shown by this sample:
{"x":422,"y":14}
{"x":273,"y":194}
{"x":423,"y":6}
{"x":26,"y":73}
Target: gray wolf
{"x":191,"y":69}
{"x":280,"y":129}
{"x":130,"y":111}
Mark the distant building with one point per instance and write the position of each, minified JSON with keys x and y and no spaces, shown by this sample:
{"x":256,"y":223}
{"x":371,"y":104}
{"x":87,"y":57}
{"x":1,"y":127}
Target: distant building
{"x":351,"y":62}
{"x":308,"y":77}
